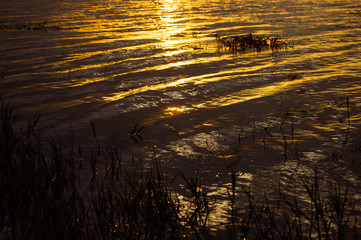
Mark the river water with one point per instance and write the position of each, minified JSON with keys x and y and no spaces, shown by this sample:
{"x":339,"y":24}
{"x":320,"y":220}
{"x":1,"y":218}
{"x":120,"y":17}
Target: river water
{"x":155,"y":67}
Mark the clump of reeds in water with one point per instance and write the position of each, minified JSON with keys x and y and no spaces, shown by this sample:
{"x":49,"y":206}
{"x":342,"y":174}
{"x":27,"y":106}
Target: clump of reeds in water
{"x":239,"y":43}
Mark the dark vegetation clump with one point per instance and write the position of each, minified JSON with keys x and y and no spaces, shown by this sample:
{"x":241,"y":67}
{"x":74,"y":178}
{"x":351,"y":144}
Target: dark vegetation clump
{"x":36,"y":26}
{"x":49,"y":191}
{"x":240,"y":44}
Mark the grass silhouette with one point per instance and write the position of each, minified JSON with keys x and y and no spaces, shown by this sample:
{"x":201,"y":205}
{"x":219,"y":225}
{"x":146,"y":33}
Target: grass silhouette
{"x":44,"y":196}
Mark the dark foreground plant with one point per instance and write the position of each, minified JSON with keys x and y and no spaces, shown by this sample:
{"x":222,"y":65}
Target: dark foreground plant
{"x":315,"y":213}
{"x":48,"y":191}
{"x":39,"y":197}
{"x":45,"y":193}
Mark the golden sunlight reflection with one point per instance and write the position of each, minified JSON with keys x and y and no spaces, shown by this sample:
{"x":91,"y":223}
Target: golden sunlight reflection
{"x":221,"y":101}
{"x":195,"y":80}
{"x":221,"y":209}
{"x":156,"y":82}
{"x":247,"y":94}
{"x":169,"y":16}
{"x":254,"y":93}
{"x":174,"y":110}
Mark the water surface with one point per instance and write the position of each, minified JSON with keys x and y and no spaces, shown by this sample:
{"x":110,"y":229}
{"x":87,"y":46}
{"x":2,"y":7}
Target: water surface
{"x":202,"y":109}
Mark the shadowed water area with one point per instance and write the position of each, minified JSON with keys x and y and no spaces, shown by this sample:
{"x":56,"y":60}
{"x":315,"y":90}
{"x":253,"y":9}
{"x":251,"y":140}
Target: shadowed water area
{"x":152,"y":77}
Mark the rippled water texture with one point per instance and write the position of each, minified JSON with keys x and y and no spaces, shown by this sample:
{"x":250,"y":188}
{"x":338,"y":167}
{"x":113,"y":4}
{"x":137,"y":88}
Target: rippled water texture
{"x":156,"y":63}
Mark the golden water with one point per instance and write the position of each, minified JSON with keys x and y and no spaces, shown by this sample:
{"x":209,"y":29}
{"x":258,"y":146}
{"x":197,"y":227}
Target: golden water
{"x":157,"y":63}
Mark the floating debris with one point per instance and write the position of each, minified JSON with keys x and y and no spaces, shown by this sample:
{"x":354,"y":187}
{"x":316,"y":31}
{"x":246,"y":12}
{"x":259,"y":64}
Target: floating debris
{"x":252,"y":42}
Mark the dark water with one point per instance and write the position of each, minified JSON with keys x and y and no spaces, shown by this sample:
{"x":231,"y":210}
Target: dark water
{"x":203,"y":109}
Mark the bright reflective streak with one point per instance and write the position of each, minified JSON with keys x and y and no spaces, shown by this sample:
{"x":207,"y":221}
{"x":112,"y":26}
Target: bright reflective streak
{"x":161,"y":86}
{"x":196,"y":80}
{"x":176,"y":110}
{"x":249,"y":94}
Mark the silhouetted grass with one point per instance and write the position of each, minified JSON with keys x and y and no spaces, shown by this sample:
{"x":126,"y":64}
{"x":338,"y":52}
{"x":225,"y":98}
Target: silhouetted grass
{"x":41,"y":197}
{"x":46,"y":193}
{"x":320,"y":214}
